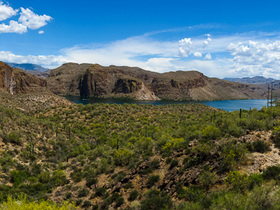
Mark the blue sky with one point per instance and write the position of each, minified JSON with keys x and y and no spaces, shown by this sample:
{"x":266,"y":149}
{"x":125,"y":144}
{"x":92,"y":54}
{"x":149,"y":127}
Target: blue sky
{"x":218,"y":38}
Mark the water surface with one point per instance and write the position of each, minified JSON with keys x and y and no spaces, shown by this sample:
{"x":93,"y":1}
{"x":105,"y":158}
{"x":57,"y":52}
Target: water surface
{"x":228,"y":105}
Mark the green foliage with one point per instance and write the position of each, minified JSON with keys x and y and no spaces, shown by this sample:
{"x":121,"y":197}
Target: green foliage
{"x":18,"y":177}
{"x":152,"y":180}
{"x":211,"y":133}
{"x":207,"y":179}
{"x":232,"y":153}
{"x":272,"y":172}
{"x":23,"y":204}
{"x":83,"y":192}
{"x":259,"y":146}
{"x":156,"y":200}
{"x":133,"y":195}
{"x":13,"y":137}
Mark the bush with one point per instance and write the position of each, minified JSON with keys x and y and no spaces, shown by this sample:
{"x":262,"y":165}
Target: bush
{"x":259,"y":146}
{"x":86,"y":204}
{"x":13,"y":137}
{"x":156,"y":200}
{"x":211,"y":133}
{"x":152,"y":180}
{"x":207,"y":179}
{"x":83,"y":192}
{"x":272,"y":172}
{"x":133,"y":195}
{"x":18,"y":177}
{"x":91,"y":181}
{"x":173,"y":164}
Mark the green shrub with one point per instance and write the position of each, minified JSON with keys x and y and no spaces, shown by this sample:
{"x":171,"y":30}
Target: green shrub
{"x":99,"y":192}
{"x":237,"y":181}
{"x":156,"y":200}
{"x":207,"y":179}
{"x":18,"y":177}
{"x":272,"y":172}
{"x":86,"y":204}
{"x":91,"y":181}
{"x":77,"y":176}
{"x":133,"y":195}
{"x":13,"y":137}
{"x":260,"y":146}
{"x":83,"y":192}
{"x":173,"y":164}
{"x":211,"y":133}
{"x":152,"y":180}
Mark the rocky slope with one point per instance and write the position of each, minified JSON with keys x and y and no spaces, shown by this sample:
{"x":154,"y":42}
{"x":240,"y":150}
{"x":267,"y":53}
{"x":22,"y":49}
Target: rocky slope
{"x":120,"y":81}
{"x":16,"y":81}
{"x":21,"y":90}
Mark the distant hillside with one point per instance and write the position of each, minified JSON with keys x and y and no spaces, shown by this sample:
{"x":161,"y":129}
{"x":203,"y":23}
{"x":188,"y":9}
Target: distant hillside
{"x":252,"y":80}
{"x":28,"y":66}
{"x":121,"y":81}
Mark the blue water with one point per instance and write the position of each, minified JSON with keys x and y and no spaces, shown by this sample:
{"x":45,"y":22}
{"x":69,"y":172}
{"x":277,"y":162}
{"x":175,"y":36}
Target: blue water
{"x":228,"y":105}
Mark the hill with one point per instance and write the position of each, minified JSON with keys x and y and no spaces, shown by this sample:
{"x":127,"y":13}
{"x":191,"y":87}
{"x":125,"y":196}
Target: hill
{"x":28,"y":66}
{"x":132,"y":156}
{"x":21,"y":90}
{"x":121,"y":81}
{"x":252,"y":80}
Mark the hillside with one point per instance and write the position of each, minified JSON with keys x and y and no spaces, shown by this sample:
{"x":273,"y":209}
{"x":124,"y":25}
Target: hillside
{"x":133,"y":156}
{"x":21,"y":90}
{"x":140,"y":156}
{"x":28,"y":67}
{"x":120,"y":81}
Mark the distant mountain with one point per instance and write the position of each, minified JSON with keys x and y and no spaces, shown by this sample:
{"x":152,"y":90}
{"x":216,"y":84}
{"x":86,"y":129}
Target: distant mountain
{"x":28,"y":66}
{"x":251,"y":80}
{"x":132,"y":82}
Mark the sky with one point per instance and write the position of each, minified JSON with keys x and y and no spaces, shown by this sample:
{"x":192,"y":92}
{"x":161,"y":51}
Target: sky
{"x":218,"y":38}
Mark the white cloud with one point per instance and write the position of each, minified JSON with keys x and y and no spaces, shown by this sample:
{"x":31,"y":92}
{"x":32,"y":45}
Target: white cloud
{"x":31,"y":20}
{"x":13,"y":27}
{"x":197,"y":54}
{"x":27,"y":20}
{"x":208,"y":56}
{"x":185,"y":47}
{"x":41,"y":32}
{"x":6,"y":11}
{"x":255,"y":58}
{"x":49,"y":61}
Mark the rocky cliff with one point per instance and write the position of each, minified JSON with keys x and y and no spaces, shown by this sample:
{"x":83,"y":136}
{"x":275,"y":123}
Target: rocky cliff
{"x":16,"y":81}
{"x":121,"y":81}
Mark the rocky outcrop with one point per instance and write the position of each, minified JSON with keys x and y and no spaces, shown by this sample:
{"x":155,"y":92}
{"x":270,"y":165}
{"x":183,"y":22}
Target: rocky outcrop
{"x":16,"y":81}
{"x":121,"y":81}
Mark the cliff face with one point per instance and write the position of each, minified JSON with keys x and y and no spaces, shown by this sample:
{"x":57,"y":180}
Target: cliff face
{"x":113,"y":81}
{"x":101,"y":81}
{"x":16,"y":81}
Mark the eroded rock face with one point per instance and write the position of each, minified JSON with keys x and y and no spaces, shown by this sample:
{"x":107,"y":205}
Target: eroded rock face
{"x":16,"y":81}
{"x":132,"y":82}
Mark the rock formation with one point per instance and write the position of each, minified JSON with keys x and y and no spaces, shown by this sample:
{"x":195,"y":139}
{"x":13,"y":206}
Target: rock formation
{"x":132,"y":82}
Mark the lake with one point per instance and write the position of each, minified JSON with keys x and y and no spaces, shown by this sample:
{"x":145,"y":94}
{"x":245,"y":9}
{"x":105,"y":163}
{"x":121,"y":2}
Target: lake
{"x":227,"y":105}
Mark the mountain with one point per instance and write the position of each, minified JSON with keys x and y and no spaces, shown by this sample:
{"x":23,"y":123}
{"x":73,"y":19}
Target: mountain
{"x":28,"y":66}
{"x":16,"y":81}
{"x":132,"y":82}
{"x":252,"y":80}
{"x":23,"y":91}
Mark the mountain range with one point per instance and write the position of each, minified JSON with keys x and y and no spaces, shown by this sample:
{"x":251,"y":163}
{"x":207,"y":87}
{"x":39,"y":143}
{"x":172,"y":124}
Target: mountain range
{"x":93,"y":80}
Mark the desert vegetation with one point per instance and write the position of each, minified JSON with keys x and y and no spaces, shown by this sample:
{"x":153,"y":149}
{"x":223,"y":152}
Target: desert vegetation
{"x":138,"y":157}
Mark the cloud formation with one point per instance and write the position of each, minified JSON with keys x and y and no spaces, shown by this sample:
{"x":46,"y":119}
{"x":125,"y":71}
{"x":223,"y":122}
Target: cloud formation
{"x":13,"y":27}
{"x":216,"y":56}
{"x":6,"y":11}
{"x":256,"y":58}
{"x":27,"y":20}
{"x":32,"y":20}
{"x":49,"y":61}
